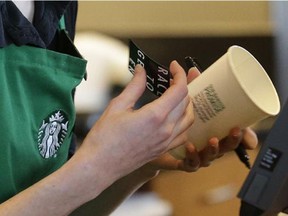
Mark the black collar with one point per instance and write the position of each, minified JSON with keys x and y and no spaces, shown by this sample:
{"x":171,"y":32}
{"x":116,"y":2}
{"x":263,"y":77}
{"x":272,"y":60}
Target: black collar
{"x":15,"y":28}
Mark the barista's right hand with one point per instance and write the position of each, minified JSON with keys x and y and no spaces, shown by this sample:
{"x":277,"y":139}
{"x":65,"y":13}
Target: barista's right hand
{"x":125,"y":139}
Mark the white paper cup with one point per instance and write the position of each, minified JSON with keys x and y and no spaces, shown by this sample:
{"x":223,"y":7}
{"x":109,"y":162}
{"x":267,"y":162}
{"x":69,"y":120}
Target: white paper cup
{"x":233,"y":91}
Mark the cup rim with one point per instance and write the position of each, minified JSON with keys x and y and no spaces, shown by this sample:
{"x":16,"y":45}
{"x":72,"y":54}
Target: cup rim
{"x":276,"y":108}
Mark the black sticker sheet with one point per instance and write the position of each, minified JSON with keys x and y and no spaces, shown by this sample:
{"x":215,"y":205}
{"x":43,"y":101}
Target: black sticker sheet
{"x":158,"y":76}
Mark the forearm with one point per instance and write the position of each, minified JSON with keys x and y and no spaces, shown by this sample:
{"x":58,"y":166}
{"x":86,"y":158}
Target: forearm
{"x":63,"y":191}
{"x":113,"y":196}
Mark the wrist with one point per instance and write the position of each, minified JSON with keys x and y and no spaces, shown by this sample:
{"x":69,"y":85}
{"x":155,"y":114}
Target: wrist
{"x":90,"y":173}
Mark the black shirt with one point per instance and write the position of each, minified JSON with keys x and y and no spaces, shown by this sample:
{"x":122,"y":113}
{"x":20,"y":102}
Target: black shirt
{"x":15,"y":28}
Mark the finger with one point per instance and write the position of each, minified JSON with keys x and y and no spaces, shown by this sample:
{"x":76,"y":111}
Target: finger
{"x":192,"y":161}
{"x":250,"y":140}
{"x":176,"y":92}
{"x":190,"y":164}
{"x":210,"y":152}
{"x":192,"y":74}
{"x":183,"y":108}
{"x":187,"y":119}
{"x":231,"y":141}
{"x":135,"y":88}
{"x":166,"y":162}
{"x":181,"y":128}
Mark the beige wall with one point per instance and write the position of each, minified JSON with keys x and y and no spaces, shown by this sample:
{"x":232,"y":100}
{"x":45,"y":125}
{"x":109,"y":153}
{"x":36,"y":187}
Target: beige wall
{"x":172,"y":18}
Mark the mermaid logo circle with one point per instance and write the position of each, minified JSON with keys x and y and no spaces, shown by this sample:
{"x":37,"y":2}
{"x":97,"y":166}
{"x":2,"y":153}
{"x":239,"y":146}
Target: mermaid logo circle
{"x":52,"y":133}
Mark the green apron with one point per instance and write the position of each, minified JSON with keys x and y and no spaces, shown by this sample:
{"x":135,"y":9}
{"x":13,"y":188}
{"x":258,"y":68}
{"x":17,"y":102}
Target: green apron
{"x":37,"y":113}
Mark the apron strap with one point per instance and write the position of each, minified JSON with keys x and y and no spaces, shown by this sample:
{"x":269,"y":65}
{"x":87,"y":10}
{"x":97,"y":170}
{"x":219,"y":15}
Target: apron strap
{"x":66,"y":42}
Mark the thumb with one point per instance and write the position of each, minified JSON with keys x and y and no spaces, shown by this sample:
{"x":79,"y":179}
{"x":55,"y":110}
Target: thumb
{"x":192,"y":74}
{"x":135,"y":87}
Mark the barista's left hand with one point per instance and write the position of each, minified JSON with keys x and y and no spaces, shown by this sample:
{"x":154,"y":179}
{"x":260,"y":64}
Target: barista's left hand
{"x":214,"y":149}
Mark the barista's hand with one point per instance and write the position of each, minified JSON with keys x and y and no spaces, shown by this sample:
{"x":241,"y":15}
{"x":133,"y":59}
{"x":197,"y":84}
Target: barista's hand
{"x":214,"y":149}
{"x":127,"y":138}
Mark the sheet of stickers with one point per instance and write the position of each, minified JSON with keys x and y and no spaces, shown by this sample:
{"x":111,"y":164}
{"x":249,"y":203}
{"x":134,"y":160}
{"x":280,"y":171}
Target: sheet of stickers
{"x":158,"y":76}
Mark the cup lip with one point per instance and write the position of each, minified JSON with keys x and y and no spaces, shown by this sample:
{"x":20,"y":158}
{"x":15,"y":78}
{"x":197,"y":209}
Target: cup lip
{"x":277,"y":107}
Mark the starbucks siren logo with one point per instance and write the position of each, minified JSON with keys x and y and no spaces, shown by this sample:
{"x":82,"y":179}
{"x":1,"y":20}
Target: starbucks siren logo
{"x":52,"y":134}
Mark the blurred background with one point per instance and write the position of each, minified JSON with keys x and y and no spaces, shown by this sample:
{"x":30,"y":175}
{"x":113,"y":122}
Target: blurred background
{"x":168,"y":30}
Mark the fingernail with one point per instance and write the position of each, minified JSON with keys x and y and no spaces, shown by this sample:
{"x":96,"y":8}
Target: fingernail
{"x":138,"y":68}
{"x":174,"y":62}
{"x":236,"y":133}
{"x":213,"y":147}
